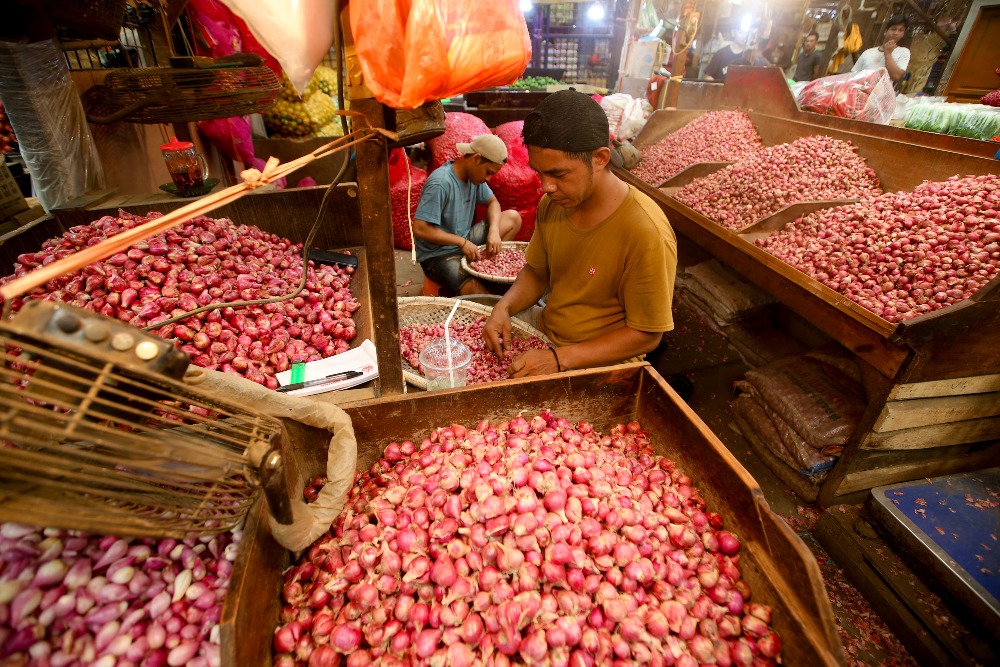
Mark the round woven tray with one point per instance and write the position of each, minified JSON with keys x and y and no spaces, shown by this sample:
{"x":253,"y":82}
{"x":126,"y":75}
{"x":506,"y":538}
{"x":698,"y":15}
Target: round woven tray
{"x":507,"y":245}
{"x":435,"y":310}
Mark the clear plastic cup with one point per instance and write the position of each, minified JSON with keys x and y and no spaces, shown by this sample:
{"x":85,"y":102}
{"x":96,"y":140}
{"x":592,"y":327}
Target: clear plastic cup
{"x":434,"y":361}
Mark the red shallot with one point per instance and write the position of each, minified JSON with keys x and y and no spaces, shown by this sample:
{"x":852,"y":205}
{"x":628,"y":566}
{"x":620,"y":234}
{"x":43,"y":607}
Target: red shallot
{"x":717,"y":136}
{"x":901,"y":254}
{"x":485,"y":366}
{"x":70,"y":598}
{"x":812,"y":168}
{"x":537,"y":562}
{"x":208,"y":261}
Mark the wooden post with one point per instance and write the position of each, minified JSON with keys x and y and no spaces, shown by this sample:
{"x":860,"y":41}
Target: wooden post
{"x":376,"y":223}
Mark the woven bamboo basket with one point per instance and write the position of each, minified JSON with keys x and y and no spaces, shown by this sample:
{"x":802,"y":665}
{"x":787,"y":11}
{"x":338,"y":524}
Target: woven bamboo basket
{"x":507,"y":245}
{"x":415,"y":310}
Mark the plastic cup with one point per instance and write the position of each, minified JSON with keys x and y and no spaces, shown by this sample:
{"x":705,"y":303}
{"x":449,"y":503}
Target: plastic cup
{"x":434,"y":361}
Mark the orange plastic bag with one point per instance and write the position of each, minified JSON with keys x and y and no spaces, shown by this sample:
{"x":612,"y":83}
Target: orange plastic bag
{"x":414,"y":52}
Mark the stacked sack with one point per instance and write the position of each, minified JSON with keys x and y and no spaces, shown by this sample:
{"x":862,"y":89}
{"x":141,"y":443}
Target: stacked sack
{"x":802,"y":409}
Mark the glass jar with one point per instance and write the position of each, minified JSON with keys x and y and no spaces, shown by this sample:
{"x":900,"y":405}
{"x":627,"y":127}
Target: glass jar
{"x":187,"y":166}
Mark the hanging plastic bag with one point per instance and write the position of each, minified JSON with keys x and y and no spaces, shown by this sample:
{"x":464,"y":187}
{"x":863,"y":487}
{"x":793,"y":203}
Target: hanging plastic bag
{"x":299,"y":33}
{"x":424,"y":50}
{"x":864,"y":95}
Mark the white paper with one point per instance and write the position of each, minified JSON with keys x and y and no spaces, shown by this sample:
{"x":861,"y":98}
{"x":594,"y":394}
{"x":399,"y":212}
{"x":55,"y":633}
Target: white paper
{"x":361,"y":358}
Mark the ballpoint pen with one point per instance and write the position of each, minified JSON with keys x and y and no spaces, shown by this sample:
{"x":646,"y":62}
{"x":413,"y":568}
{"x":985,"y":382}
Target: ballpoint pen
{"x":329,"y":379}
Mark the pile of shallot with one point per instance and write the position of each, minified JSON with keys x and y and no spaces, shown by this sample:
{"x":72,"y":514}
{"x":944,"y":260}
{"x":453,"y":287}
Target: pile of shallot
{"x":201,"y":262}
{"x":505,"y":264}
{"x":814,"y":168}
{"x":527,"y":542}
{"x":717,"y":136}
{"x":68,"y":598}
{"x":485,"y":366}
{"x":902,"y":254}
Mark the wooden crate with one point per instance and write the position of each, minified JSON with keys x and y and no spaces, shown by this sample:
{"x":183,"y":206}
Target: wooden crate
{"x":288,"y":213}
{"x":931,"y":381}
{"x":779,"y":568}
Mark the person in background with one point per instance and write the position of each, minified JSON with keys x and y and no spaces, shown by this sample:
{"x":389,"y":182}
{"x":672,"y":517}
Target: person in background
{"x":604,"y":249}
{"x":890,"y":55}
{"x":734,"y":53}
{"x":443,"y":223}
{"x":809,"y":63}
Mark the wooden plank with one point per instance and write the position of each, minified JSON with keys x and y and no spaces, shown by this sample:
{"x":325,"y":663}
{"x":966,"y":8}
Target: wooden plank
{"x":777,"y":220}
{"x":977,"y":384}
{"x":936,"y":435}
{"x":957,"y":341}
{"x":663,"y":122}
{"x":899,"y":466}
{"x":253,"y":599}
{"x":376,"y":224}
{"x":897,"y":415}
{"x":693,"y":172}
{"x":899,"y":600}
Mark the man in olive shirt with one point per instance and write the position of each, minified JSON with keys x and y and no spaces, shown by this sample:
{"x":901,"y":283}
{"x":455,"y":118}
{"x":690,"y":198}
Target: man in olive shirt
{"x":807,"y":67}
{"x":604,"y":249}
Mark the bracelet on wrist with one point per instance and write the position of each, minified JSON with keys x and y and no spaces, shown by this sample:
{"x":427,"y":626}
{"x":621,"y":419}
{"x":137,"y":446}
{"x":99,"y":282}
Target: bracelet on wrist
{"x":556,"y":355}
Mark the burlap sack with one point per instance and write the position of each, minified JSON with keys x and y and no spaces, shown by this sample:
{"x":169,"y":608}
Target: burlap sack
{"x":311,"y":520}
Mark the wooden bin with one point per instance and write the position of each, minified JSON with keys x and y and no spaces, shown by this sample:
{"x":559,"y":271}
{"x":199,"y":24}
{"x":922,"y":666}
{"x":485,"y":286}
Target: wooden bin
{"x":288,"y":213}
{"x":932,"y":382}
{"x":779,"y":568}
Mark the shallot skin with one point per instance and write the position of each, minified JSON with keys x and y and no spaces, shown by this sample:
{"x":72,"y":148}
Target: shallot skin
{"x":489,"y":545}
{"x":901,"y":254}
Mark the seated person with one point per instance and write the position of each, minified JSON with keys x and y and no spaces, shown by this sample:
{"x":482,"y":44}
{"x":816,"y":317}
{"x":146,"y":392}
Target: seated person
{"x":443,"y":224}
{"x":603,"y":248}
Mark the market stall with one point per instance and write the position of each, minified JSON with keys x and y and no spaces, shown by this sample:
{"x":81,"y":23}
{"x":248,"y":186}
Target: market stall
{"x":930,"y":381}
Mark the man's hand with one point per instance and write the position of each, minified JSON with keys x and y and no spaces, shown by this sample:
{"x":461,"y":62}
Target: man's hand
{"x":496,"y":332}
{"x":889,"y":46}
{"x":494,"y":244}
{"x":470,"y":250}
{"x":533,"y":362}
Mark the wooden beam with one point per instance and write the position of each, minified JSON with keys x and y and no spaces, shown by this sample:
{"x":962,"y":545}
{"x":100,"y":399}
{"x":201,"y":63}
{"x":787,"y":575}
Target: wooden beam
{"x":931,"y":23}
{"x":910,"y":468}
{"x":898,"y":415}
{"x":935,"y":435}
{"x":955,"y":387}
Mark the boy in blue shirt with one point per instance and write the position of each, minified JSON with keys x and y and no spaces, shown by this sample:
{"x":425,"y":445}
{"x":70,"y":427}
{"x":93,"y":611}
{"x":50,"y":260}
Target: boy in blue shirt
{"x":443,"y":224}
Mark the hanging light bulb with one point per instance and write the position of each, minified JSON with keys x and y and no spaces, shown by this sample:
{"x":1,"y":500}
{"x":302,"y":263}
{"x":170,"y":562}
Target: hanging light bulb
{"x":595,"y":12}
{"x":526,"y":6}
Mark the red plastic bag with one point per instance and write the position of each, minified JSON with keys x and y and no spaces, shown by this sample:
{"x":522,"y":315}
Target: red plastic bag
{"x":865,"y":95}
{"x":414,"y":52}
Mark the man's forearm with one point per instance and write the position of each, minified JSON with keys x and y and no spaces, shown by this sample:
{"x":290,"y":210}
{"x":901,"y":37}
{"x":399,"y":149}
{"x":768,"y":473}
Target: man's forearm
{"x":610,"y":348}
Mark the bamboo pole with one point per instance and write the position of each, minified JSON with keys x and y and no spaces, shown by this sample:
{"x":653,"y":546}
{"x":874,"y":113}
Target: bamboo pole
{"x":252,"y":179}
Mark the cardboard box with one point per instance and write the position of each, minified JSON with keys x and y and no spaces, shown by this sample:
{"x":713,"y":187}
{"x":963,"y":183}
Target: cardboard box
{"x":643,"y":57}
{"x":11,"y":200}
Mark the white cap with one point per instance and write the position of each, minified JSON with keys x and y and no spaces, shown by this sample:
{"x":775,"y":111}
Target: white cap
{"x":490,"y":146}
